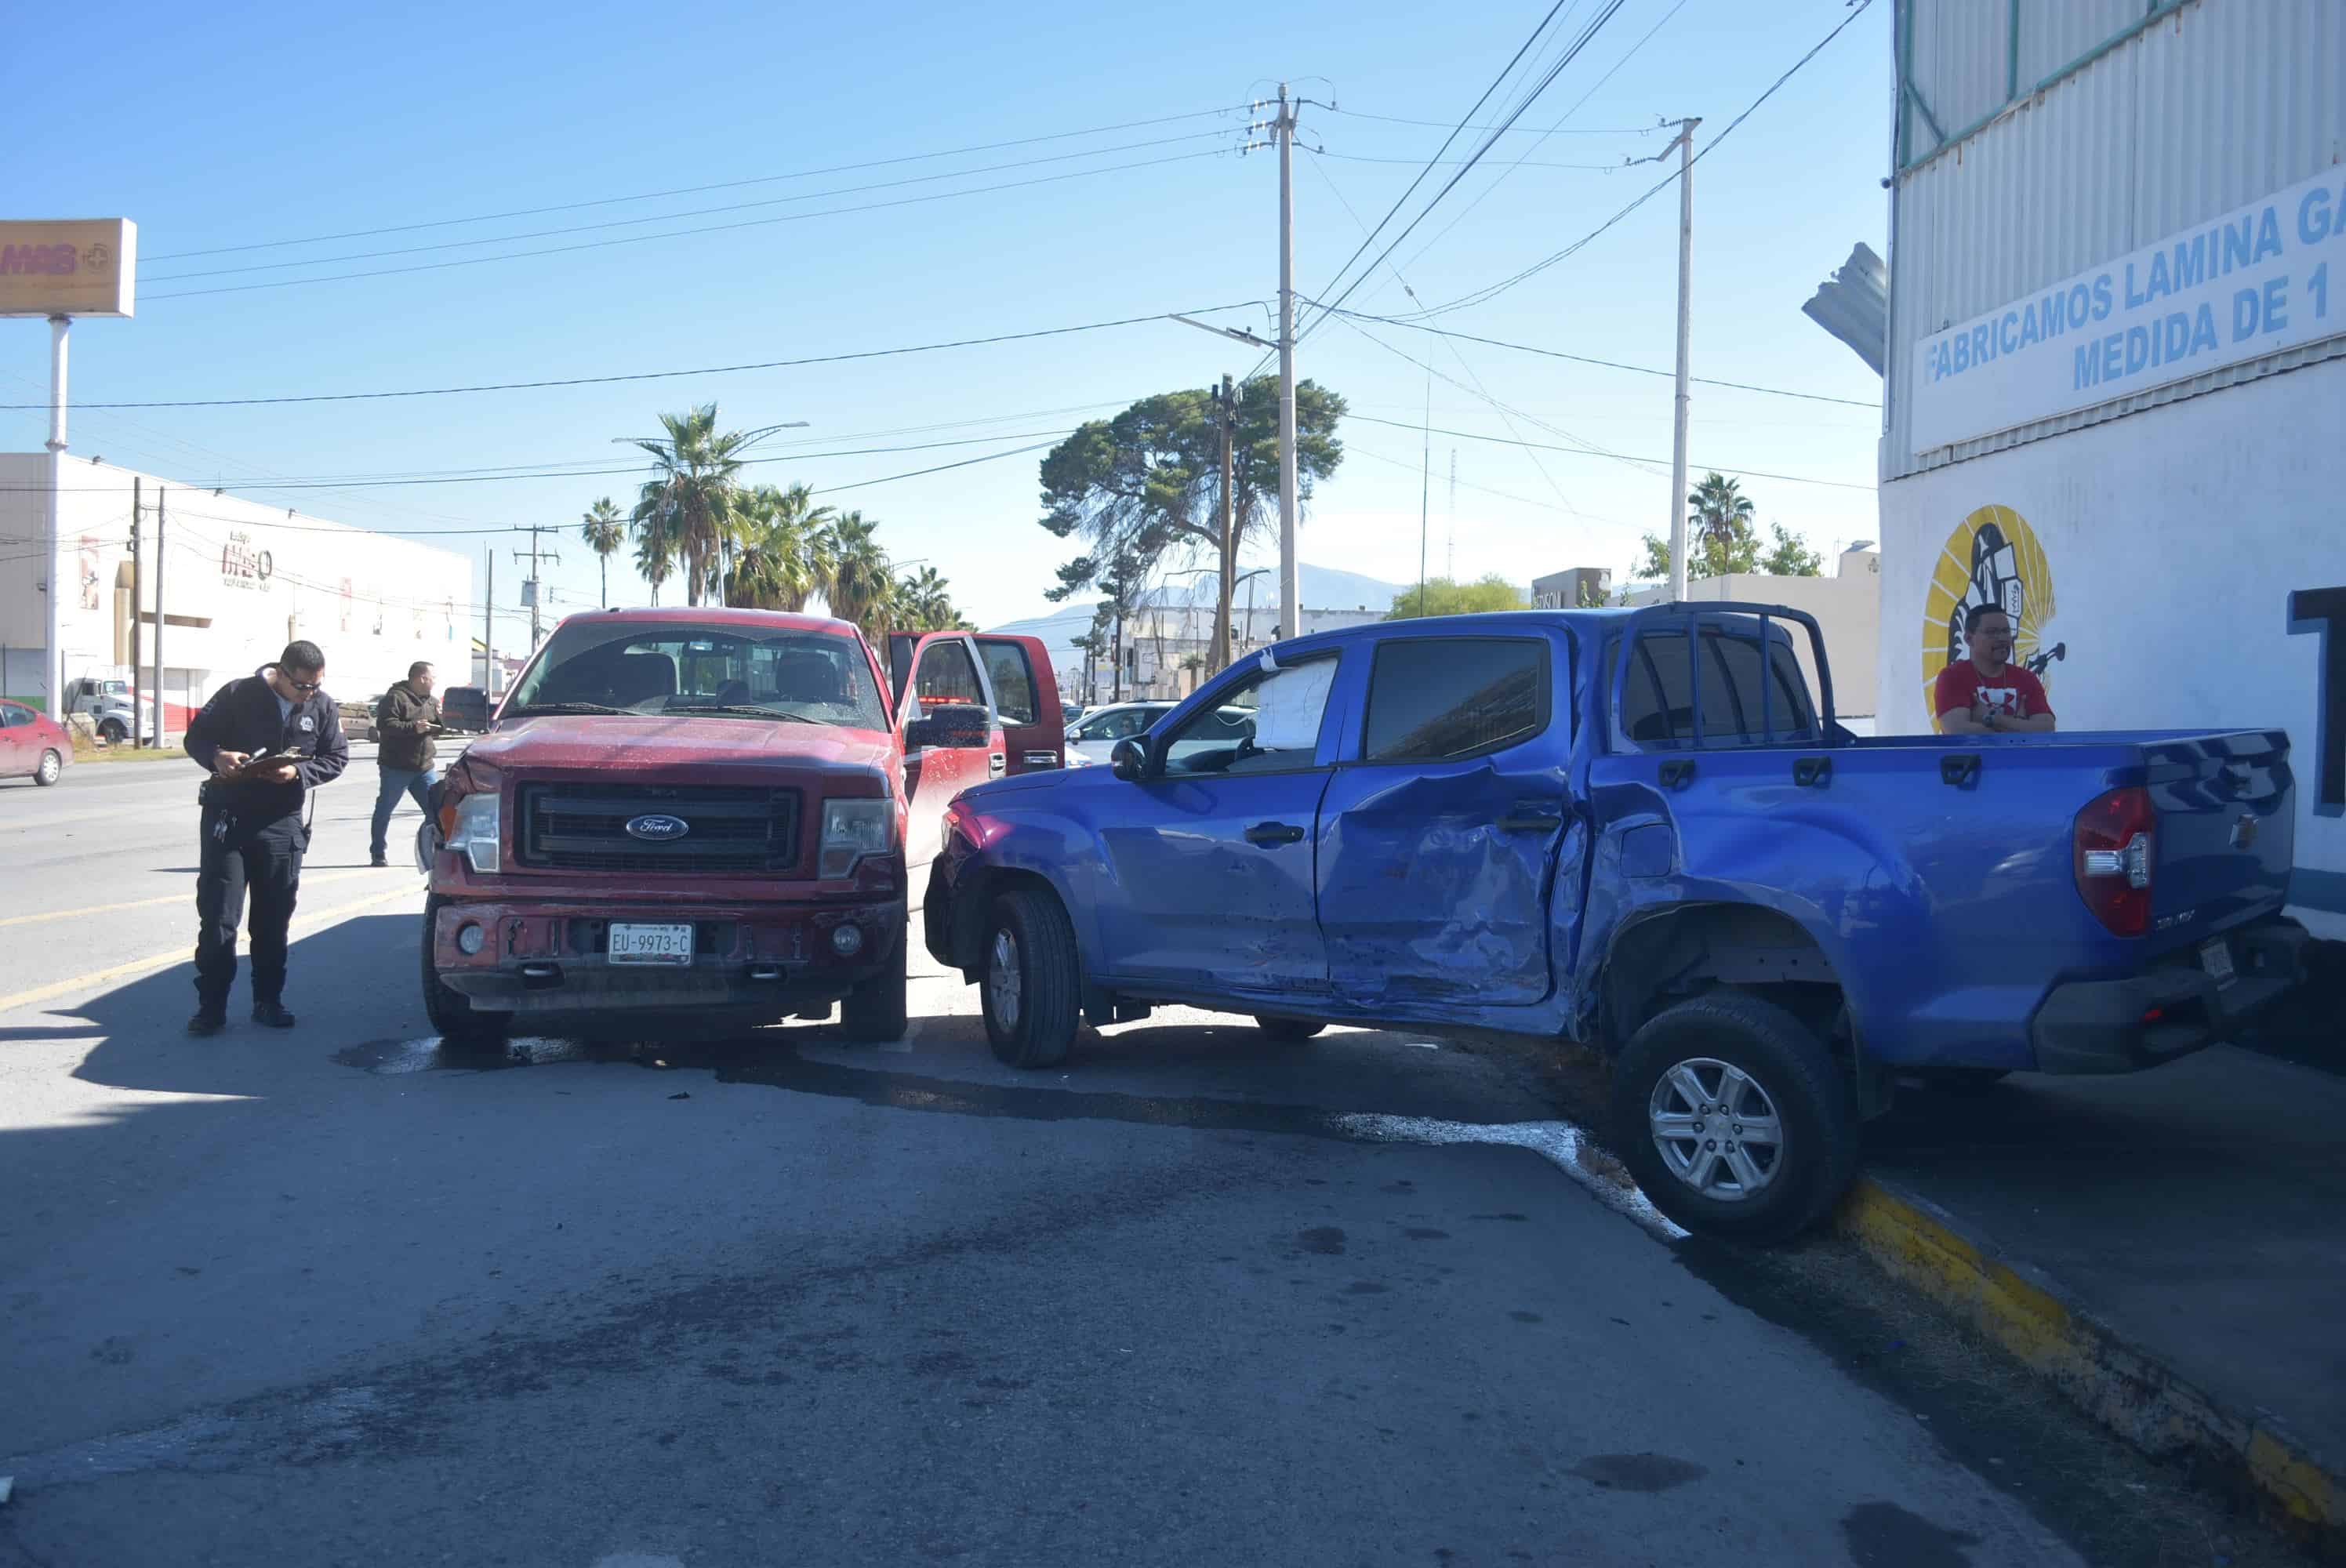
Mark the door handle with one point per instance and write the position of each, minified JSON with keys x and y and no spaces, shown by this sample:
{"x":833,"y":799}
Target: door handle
{"x":1960,"y":769}
{"x":1042,"y":760}
{"x":1267,"y":834}
{"x":1812,"y":771}
{"x":996,"y":764}
{"x":1677,"y":773}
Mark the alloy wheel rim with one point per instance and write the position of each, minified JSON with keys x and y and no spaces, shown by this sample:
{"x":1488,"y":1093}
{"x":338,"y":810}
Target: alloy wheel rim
{"x":1003,"y":985}
{"x":1717,"y":1128}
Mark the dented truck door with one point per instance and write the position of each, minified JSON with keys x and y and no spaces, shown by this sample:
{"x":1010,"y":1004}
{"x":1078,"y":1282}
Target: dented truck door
{"x":1442,"y":832}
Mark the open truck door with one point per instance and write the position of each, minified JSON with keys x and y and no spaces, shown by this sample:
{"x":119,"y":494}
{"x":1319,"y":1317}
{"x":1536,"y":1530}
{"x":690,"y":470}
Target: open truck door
{"x":1026,"y":699}
{"x":945,"y":718}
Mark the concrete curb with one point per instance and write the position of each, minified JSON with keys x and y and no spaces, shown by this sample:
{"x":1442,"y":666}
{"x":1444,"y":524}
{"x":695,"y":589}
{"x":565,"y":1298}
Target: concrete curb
{"x":1925,"y":1248}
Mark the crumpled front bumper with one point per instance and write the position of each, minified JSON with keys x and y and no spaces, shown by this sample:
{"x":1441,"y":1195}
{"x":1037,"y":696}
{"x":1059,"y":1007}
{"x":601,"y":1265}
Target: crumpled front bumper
{"x":2169,"y":1011}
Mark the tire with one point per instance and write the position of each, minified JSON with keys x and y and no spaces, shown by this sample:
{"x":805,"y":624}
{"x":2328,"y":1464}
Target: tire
{"x":451,"y":1011}
{"x":1289,"y":1031}
{"x":1030,"y":984}
{"x":873,"y":1012}
{"x":113,"y":732}
{"x":52,"y":768}
{"x":1961,"y":1080}
{"x":1677,"y":1067}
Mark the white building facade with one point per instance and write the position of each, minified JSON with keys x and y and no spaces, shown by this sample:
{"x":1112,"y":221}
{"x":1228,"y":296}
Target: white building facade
{"x":237,"y":579}
{"x":2116,"y":379}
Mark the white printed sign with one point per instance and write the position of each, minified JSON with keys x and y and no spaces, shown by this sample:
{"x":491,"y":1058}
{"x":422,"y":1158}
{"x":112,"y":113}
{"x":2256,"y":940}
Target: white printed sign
{"x":2249,"y":284}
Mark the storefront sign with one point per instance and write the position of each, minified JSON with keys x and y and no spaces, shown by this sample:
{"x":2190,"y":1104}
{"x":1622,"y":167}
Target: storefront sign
{"x":243,"y":565}
{"x":80,"y":267}
{"x":2250,"y":283}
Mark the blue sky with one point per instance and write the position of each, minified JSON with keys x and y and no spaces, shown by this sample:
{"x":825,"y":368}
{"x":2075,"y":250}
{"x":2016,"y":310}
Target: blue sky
{"x":242,"y":124}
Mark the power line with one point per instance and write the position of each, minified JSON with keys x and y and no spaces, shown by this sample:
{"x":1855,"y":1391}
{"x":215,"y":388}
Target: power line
{"x":1607,"y":365}
{"x":1587,"y":452}
{"x":683,"y":233}
{"x":1360,"y":157}
{"x":1492,"y":291}
{"x":691,"y":190}
{"x":696,"y":213}
{"x":1557,"y":129}
{"x":1588,"y":33}
{"x":654,"y":375}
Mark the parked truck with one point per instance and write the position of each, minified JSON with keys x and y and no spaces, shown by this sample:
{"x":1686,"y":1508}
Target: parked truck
{"x":710,"y":812}
{"x":107,"y":700}
{"x":1642,"y":830}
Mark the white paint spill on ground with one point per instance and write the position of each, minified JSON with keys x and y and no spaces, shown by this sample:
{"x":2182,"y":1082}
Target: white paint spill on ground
{"x":1563,"y":1144}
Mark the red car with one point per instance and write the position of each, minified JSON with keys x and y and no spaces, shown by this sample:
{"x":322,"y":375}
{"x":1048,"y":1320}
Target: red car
{"x":32,"y":744}
{"x":713,"y":812}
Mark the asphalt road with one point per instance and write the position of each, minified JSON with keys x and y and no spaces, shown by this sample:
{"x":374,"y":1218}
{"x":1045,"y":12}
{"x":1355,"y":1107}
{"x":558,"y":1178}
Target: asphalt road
{"x":334,"y":1297}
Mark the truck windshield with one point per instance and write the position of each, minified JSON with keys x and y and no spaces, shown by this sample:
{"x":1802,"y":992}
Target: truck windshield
{"x":816,"y":677}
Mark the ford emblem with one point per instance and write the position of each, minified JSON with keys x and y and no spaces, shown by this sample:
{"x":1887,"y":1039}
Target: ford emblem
{"x":658,"y":829}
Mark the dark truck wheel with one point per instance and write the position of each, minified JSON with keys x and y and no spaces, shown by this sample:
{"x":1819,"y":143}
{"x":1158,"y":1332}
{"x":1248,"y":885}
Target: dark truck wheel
{"x":1289,"y":1031}
{"x":113,"y":732}
{"x":1029,"y":983}
{"x":1734,"y":1119}
{"x":451,"y":1011}
{"x":873,"y":1012}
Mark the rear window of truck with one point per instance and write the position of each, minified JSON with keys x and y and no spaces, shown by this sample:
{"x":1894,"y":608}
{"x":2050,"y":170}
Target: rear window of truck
{"x":1739,"y":706}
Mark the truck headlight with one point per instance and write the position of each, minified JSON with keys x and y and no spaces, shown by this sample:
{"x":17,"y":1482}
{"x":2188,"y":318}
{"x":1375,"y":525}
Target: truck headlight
{"x":852,"y":830}
{"x":475,"y":830}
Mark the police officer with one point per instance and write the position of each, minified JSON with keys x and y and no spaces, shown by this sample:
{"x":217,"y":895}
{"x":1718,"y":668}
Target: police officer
{"x":267,"y":741}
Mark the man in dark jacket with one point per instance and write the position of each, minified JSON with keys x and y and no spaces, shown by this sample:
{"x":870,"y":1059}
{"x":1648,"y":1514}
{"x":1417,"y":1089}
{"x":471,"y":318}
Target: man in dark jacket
{"x":404,"y":720}
{"x":267,"y":741}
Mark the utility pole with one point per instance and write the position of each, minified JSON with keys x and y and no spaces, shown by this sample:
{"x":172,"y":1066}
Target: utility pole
{"x":54,"y":676}
{"x":138,"y":705}
{"x":1424,"y":493}
{"x":489,"y":627}
{"x":1227,"y":408}
{"x":161,"y":721}
{"x":535,"y":591}
{"x":1684,"y":146}
{"x":1290,"y":574}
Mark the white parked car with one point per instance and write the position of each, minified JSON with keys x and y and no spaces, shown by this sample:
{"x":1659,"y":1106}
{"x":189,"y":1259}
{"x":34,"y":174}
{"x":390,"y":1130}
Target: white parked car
{"x":1093,"y":738}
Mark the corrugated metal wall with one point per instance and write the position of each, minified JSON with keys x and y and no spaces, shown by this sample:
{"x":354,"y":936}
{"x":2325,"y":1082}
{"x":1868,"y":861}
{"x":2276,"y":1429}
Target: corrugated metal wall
{"x":2216,"y":104}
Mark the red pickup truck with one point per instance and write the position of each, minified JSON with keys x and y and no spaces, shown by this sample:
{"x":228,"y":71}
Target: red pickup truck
{"x":715,"y":813}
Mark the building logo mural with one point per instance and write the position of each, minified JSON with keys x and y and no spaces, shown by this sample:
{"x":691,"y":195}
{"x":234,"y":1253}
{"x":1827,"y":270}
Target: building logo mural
{"x":88,"y":572}
{"x":1992,"y":557}
{"x":243,"y":563}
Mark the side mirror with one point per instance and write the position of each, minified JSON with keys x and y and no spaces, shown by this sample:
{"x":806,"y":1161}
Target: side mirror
{"x":1129,"y":760}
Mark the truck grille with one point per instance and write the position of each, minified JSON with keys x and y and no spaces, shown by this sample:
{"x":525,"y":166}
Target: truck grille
{"x":583,"y":827}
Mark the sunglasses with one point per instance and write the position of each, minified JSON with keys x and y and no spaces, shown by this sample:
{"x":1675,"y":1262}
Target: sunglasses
{"x":301,"y":685}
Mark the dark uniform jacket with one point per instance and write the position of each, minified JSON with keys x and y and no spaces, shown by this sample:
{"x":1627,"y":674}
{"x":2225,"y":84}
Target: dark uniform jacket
{"x":404,"y":720}
{"x":243,"y":716}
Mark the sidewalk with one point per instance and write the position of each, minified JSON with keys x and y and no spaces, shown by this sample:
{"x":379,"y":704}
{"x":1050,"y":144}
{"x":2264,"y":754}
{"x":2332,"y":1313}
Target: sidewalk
{"x":2192,"y":1217}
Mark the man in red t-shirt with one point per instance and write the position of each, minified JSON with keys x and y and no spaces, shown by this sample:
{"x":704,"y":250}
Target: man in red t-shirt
{"x":1987,"y":694}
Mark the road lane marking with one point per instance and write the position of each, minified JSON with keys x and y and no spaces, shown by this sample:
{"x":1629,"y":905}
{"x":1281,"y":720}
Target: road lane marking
{"x":167,"y":899}
{"x":181,"y":954}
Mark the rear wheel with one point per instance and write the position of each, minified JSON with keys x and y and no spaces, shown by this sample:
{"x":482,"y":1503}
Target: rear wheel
{"x":1029,"y":985}
{"x":1734,"y":1118}
{"x":52,"y":768}
{"x":875,"y":1012}
{"x":451,"y":1011}
{"x":1289,"y":1031}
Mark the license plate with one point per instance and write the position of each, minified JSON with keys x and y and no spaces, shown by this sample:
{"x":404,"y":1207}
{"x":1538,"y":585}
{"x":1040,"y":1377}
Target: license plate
{"x":2216,"y":958}
{"x":669,"y":944}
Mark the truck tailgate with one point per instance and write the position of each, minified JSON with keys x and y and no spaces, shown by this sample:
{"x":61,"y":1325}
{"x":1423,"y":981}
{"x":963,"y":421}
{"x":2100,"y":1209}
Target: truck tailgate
{"x":2226,"y":828}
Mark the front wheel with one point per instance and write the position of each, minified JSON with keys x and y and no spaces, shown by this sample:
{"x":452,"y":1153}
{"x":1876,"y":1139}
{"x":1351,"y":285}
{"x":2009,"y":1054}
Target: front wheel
{"x":1734,"y":1119}
{"x":1029,"y":987}
{"x":450,"y":1012}
{"x":113,"y":732}
{"x":1289,"y":1031}
{"x":52,"y":768}
{"x":874,"y":1011}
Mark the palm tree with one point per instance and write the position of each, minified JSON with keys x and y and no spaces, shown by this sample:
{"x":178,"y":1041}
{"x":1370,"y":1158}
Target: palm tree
{"x":861,"y":587}
{"x":928,"y":604}
{"x":655,"y":553}
{"x":606,"y":531}
{"x":1719,"y":522}
{"x":692,"y":492}
{"x":781,"y":548}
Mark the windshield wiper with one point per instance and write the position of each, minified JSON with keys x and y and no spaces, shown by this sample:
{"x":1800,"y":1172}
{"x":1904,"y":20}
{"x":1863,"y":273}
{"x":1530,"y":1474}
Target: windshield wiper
{"x":537,"y":708}
{"x":746,"y":711}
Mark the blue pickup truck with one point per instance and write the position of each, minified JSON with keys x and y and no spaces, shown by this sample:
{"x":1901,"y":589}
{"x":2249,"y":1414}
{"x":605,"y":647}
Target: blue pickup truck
{"x":1642,"y":829}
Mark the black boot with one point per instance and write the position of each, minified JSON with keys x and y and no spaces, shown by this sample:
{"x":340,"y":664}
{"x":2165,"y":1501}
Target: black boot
{"x":271,"y":1014}
{"x":208,"y":1020}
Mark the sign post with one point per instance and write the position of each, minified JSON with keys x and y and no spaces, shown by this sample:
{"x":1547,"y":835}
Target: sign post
{"x":60,"y":270}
